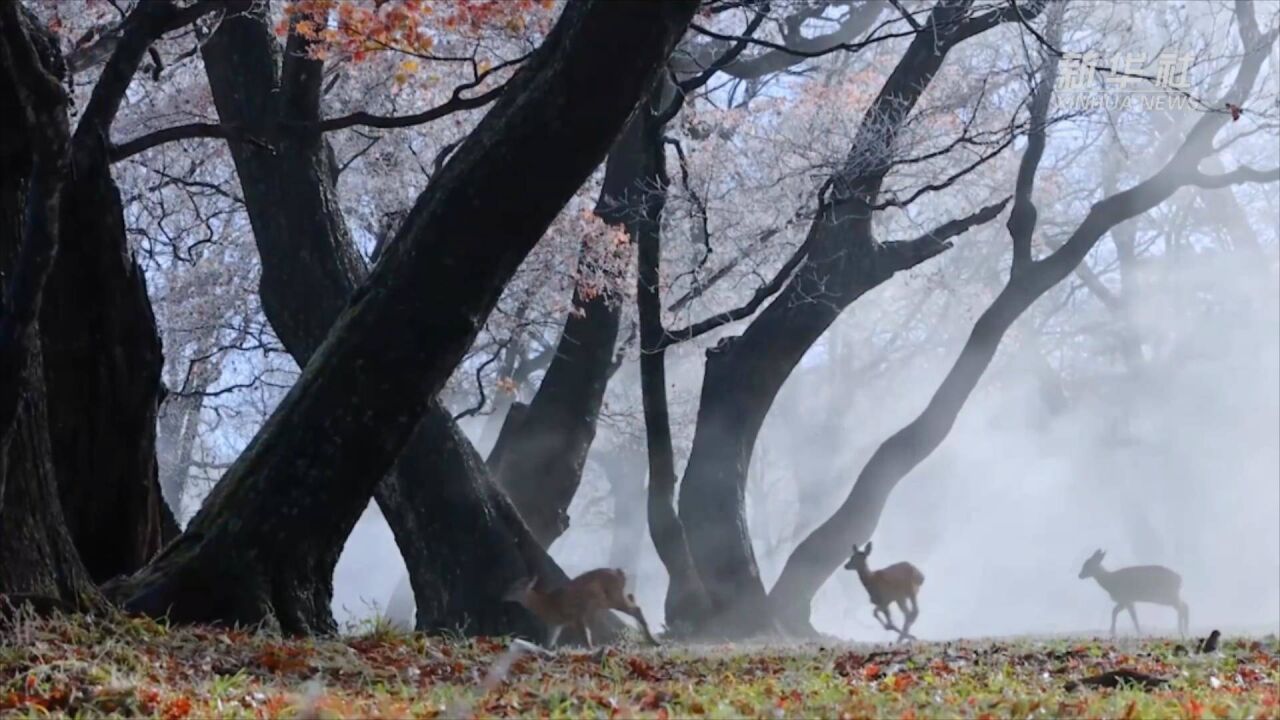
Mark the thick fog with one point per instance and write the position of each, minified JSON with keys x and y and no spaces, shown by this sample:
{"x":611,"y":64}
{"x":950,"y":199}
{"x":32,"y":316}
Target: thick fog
{"x":1179,"y":465}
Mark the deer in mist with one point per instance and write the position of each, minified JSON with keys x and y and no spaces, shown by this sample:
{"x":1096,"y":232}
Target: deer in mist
{"x":898,"y":583}
{"x":579,"y":599}
{"x":1143,"y":583}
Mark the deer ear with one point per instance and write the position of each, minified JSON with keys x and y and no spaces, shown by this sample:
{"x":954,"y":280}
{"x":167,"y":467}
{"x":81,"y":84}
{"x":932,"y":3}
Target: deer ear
{"x":868,"y":550}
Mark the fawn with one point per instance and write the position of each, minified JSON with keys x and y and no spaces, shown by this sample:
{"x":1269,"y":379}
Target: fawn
{"x":896,"y":583}
{"x":1143,"y":583}
{"x":577,"y":601}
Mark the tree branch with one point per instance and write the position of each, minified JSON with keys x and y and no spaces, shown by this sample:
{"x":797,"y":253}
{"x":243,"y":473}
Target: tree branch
{"x":455,"y":104}
{"x":730,"y":55}
{"x":762,"y":293}
{"x":142,"y":143}
{"x":906,"y":254}
{"x":1022,"y":219}
{"x":147,"y":22}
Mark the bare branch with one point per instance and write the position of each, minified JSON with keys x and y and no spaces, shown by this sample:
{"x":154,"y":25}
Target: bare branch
{"x":455,"y":104}
{"x":497,"y":352}
{"x":762,"y":293}
{"x":730,"y":55}
{"x":147,"y":22}
{"x":907,"y":254}
{"x":142,"y":143}
{"x":1022,"y":219}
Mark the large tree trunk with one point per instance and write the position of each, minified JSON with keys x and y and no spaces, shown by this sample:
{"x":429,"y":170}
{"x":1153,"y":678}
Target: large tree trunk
{"x":473,"y":543}
{"x":745,"y":373}
{"x":102,"y":362}
{"x":99,"y":345}
{"x":37,"y":557}
{"x":316,"y":462}
{"x":310,"y":269}
{"x":38,"y":561}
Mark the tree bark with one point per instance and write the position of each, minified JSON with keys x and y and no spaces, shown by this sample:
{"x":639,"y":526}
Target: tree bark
{"x":316,"y":462}
{"x":38,"y":561}
{"x":102,"y":361}
{"x":744,"y":374}
{"x":101,"y":349}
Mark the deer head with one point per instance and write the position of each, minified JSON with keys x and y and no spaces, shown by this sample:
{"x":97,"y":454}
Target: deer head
{"x":858,"y":561}
{"x":1092,"y":565}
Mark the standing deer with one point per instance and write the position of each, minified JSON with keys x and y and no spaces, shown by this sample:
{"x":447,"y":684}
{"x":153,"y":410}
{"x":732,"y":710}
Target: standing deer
{"x":575,"y":602}
{"x":896,"y":583}
{"x":1143,"y":583}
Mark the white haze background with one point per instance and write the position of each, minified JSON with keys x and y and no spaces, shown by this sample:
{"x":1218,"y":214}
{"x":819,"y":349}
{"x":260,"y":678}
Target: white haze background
{"x":1001,"y":517}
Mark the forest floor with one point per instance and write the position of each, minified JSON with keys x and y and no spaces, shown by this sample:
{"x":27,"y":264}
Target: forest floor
{"x":88,"y":667}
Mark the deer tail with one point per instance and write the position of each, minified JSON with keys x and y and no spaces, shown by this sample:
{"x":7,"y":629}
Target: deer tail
{"x":919,"y":576}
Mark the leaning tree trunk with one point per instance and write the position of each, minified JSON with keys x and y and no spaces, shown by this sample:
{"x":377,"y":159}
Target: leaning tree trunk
{"x":312,"y":468}
{"x":310,"y":270}
{"x":38,"y":561}
{"x":474,"y":545}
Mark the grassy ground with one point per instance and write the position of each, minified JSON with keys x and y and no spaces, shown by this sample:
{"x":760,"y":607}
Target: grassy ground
{"x":85,"y":667}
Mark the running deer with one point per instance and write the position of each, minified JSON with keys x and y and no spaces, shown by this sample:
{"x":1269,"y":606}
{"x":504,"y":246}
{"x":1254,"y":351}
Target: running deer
{"x":575,"y":602}
{"x":1143,"y":583}
{"x":897,"y":583}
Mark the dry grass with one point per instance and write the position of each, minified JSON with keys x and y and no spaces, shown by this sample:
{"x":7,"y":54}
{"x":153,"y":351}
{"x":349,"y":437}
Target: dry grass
{"x":90,"y":667}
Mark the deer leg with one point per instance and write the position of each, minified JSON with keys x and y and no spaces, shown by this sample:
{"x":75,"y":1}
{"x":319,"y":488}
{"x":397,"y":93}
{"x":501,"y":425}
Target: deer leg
{"x":555,"y":635}
{"x":909,"y":614}
{"x":888,"y":621}
{"x":1184,"y":619}
{"x":1115,"y":613}
{"x":634,"y":611}
{"x":876,"y":613}
{"x":1133,"y":615}
{"x":586,"y":633}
